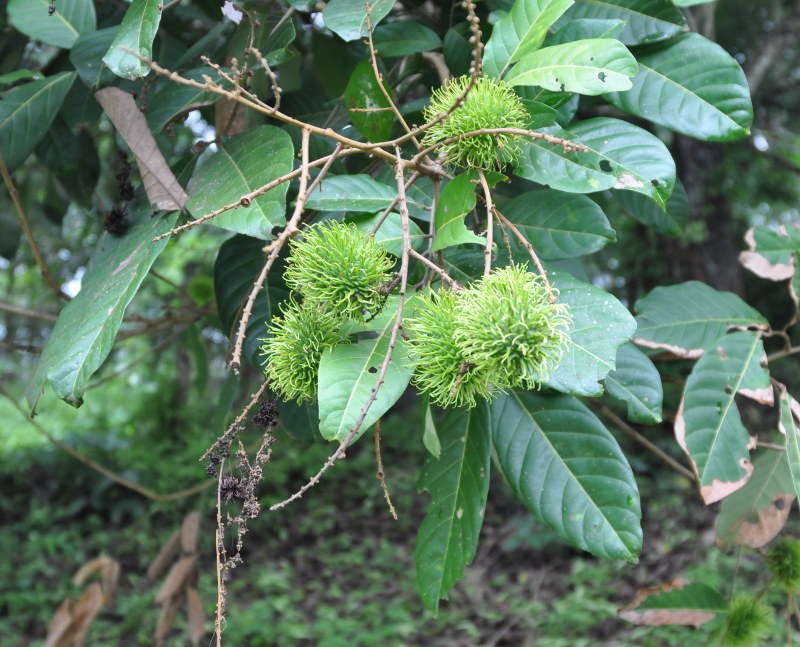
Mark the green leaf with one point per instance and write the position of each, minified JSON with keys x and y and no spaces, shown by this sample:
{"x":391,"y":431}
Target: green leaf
{"x":87,"y":326}
{"x":137,"y":32}
{"x":173,"y":99}
{"x":559,"y":225}
{"x":458,"y":482}
{"x":636,"y":382}
{"x":241,"y":165}
{"x":86,"y":55}
{"x":789,"y":426}
{"x":60,"y":29}
{"x":457,"y":199}
{"x":26,"y":113}
{"x":690,"y":3}
{"x":238,"y":263}
{"x":708,"y":427}
{"x":348,"y":373}
{"x":348,"y":18}
{"x":358,"y":193}
{"x":583,"y":28}
{"x":693,"y":86}
{"x":390,"y":234}
{"x":519,"y":32}
{"x":363,"y":93}
{"x":677,"y":602}
{"x":671,"y":221}
{"x":772,"y":254}
{"x":688,"y":318}
{"x":403,"y":38}
{"x":590,"y":67}
{"x":600,"y":325}
{"x":565,"y":466}
{"x":430,"y":438}
{"x":19,"y":75}
{"x":10,"y":231}
{"x":457,"y":49}
{"x":754,"y":514}
{"x":646,"y":21}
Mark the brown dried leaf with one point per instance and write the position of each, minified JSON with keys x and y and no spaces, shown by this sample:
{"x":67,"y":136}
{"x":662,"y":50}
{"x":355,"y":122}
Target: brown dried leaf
{"x":61,"y":629}
{"x":759,"y":264}
{"x":677,"y":351}
{"x":768,"y":522}
{"x":165,"y":621}
{"x":665,"y":615}
{"x":195,"y":614}
{"x":165,"y":555}
{"x":176,"y":579}
{"x":230,"y":117}
{"x":190,"y":531}
{"x":110,"y":573}
{"x":161,"y":185}
{"x":110,"y":579}
{"x":86,"y":611}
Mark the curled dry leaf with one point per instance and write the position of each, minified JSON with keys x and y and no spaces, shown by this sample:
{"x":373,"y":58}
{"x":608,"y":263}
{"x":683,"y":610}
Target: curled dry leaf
{"x":190,"y":531}
{"x":60,"y":630}
{"x":677,"y":602}
{"x":165,"y":621}
{"x":175,"y":579}
{"x":162,"y":187}
{"x":109,"y":570}
{"x":86,"y":611}
{"x":195,"y":615}
{"x":165,"y":555}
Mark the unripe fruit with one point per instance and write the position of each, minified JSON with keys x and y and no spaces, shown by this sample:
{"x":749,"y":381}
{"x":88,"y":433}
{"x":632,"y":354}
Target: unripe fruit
{"x":749,"y":622}
{"x":783,"y":562}
{"x":490,"y":103}
{"x":336,"y":267}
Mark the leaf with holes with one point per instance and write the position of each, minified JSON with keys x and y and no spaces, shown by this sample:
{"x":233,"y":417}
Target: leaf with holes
{"x":87,"y":326}
{"x":521,"y":31}
{"x":136,"y":33}
{"x":61,"y":28}
{"x":693,"y":86}
{"x":348,"y":373}
{"x":348,"y":18}
{"x":591,"y":67}
{"x":671,"y":221}
{"x":686,"y":319}
{"x":565,"y":466}
{"x":754,"y":514}
{"x":458,"y":482}
{"x":241,"y":165}
{"x":359,"y":193}
{"x":646,"y":21}
{"x":558,"y":225}
{"x":636,"y":382}
{"x":677,"y":602}
{"x":600,"y":325}
{"x":26,"y":113}
{"x":239,"y":262}
{"x":707,"y":425}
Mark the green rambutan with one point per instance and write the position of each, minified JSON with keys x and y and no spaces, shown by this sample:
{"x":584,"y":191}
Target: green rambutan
{"x":783,"y":562}
{"x":749,"y":622}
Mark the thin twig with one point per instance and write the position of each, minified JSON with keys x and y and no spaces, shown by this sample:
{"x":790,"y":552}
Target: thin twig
{"x":487,"y":196}
{"x":45,"y":316}
{"x":113,"y":476}
{"x":430,"y":264}
{"x":232,"y":427}
{"x":624,"y":426}
{"x":381,"y":475}
{"x":793,"y":350}
{"x":220,"y":550}
{"x":404,"y":220}
{"x":26,"y":228}
{"x":414,"y":177}
{"x":526,"y":243}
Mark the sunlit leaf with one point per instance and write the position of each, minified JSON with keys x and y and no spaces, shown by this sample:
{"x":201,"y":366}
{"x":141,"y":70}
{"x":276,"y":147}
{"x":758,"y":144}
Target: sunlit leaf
{"x":137,"y":32}
{"x":359,"y":193}
{"x":348,"y":18}
{"x":457,"y":199}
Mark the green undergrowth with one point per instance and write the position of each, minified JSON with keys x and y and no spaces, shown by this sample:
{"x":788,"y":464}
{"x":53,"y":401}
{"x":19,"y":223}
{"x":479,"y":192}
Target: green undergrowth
{"x":333,"y":569}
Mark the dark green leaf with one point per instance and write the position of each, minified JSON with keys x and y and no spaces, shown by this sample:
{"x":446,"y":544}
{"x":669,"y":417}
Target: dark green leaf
{"x":390,"y":234}
{"x":754,"y":514}
{"x":708,"y":427}
{"x":636,"y":382}
{"x":241,"y":165}
{"x":600,"y":325}
{"x":457,"y":199}
{"x":10,"y":231}
{"x":458,"y":482}
{"x":646,"y":21}
{"x":403,"y":38}
{"x":687,"y":319}
{"x":582,"y":28}
{"x":60,"y":29}
{"x":19,"y":75}
{"x":362,"y":95}
{"x":520,"y":32}
{"x":566,"y":467}
{"x":348,"y":374}
{"x":589,"y":67}
{"x":238,"y":264}
{"x":559,"y":225}
{"x":86,"y":55}
{"x":430,"y":437}
{"x":677,"y":602}
{"x":348,"y":18}
{"x":789,"y":426}
{"x":26,"y":113}
{"x":671,"y":222}
{"x":457,"y":50}
{"x":693,"y":86}
{"x":137,"y":32}
{"x":358,"y":193}
{"x":87,"y":326}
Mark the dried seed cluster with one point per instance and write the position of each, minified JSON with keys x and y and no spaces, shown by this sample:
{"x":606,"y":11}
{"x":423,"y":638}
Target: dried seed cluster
{"x":490,"y":103}
{"x":500,"y":333}
{"x":339,"y":273}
